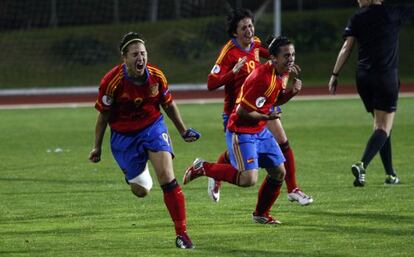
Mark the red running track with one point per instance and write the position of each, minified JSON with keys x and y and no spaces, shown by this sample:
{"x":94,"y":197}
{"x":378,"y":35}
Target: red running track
{"x":178,"y":94}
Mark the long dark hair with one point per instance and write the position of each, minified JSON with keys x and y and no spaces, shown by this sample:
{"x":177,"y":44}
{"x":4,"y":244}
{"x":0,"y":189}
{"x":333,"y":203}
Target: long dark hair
{"x":234,"y":17}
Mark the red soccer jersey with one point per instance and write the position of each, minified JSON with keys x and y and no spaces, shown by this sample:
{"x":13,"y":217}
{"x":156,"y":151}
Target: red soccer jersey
{"x":222,"y":73}
{"x":258,"y":93}
{"x":132,"y":107}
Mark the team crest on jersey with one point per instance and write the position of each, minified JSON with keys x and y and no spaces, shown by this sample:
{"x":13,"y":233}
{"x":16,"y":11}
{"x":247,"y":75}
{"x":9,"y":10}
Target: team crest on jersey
{"x":256,"y":54}
{"x":138,"y":102}
{"x":153,"y":90}
{"x":260,"y":101}
{"x":216,"y":69}
{"x":107,"y":100}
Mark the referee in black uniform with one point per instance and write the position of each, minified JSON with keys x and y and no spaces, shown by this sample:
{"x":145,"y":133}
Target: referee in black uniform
{"x":375,"y":28}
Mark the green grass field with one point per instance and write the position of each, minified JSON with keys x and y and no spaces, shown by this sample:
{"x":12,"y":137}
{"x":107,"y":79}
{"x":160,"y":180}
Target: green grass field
{"x":60,"y":204}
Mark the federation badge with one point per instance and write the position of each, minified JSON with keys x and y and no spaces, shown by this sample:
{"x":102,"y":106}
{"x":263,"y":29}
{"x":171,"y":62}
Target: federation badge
{"x":260,"y":101}
{"x":153,"y":90}
{"x":106,"y":100}
{"x":138,"y":102}
{"x":216,"y":69}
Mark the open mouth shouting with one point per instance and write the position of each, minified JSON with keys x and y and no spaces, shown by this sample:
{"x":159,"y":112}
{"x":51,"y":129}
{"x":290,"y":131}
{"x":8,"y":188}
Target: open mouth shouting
{"x":248,"y":37}
{"x":140,"y":66}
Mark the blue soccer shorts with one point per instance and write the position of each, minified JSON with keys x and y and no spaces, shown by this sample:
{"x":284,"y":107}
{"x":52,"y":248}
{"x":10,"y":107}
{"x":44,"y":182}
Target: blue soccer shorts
{"x":251,"y":151}
{"x":130,"y":150}
{"x":225,"y":118}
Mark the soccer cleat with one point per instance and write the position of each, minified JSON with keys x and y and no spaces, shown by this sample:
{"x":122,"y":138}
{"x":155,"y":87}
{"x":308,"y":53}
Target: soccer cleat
{"x":359,"y":173}
{"x":391,"y":180}
{"x":184,"y":242}
{"x":194,"y":171}
{"x":213,"y":189}
{"x":300,"y":197}
{"x":265,"y":219}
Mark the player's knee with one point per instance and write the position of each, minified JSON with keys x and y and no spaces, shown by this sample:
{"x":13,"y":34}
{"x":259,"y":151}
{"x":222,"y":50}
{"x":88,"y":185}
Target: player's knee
{"x":248,"y":178}
{"x":277,"y":173}
{"x":139,"y":191}
{"x":282,"y":174}
{"x":383,"y":129}
{"x":141,"y":184}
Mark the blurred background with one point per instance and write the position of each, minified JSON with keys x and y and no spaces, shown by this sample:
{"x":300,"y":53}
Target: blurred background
{"x":73,"y":43}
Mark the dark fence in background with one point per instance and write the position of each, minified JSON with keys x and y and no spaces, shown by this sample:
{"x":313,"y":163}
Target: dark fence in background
{"x":65,"y":43}
{"x":27,"y":14}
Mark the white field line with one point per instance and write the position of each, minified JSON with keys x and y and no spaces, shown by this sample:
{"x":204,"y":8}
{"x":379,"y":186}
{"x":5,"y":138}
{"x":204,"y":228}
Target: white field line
{"x":183,"y":101}
{"x":87,"y":90}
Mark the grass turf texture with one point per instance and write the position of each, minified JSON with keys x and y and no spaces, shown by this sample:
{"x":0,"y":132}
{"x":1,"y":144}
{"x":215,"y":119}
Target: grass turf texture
{"x":59,"y":204}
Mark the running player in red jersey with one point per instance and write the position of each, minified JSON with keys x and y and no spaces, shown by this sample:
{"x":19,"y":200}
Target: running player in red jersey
{"x":250,"y":144}
{"x":237,"y":59}
{"x":129,"y":101}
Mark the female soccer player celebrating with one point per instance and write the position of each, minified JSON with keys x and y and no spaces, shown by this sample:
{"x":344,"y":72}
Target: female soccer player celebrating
{"x":237,"y":59}
{"x":250,"y":144}
{"x":129,"y":101}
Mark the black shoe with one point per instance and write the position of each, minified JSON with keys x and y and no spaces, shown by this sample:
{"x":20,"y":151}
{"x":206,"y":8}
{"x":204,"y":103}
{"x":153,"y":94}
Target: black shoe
{"x":391,"y":180}
{"x":359,"y":173}
{"x":183,"y":242}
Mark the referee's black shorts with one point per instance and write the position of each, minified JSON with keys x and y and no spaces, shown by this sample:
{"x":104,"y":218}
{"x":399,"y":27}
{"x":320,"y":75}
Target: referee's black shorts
{"x":378,"y":89}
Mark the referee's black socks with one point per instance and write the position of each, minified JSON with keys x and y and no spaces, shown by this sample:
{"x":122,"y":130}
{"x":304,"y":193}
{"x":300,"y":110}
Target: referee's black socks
{"x":375,"y":143}
{"x":386,"y":157}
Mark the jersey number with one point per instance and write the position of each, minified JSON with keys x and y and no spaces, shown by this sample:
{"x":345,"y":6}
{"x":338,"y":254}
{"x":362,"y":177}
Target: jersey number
{"x":250,"y":65}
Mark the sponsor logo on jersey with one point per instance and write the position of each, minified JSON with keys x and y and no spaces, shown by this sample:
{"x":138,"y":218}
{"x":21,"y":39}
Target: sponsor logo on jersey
{"x":106,"y":100}
{"x":216,"y":69}
{"x":251,"y":160}
{"x":153,"y":90}
{"x":260,"y":101}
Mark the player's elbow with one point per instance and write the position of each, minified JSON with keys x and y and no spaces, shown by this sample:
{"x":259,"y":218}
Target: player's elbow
{"x":211,"y":85}
{"x":243,"y":113}
{"x":213,"y":82}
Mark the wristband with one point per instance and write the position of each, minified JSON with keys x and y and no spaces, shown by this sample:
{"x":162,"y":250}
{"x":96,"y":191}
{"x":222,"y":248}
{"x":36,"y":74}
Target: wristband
{"x":335,"y":74}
